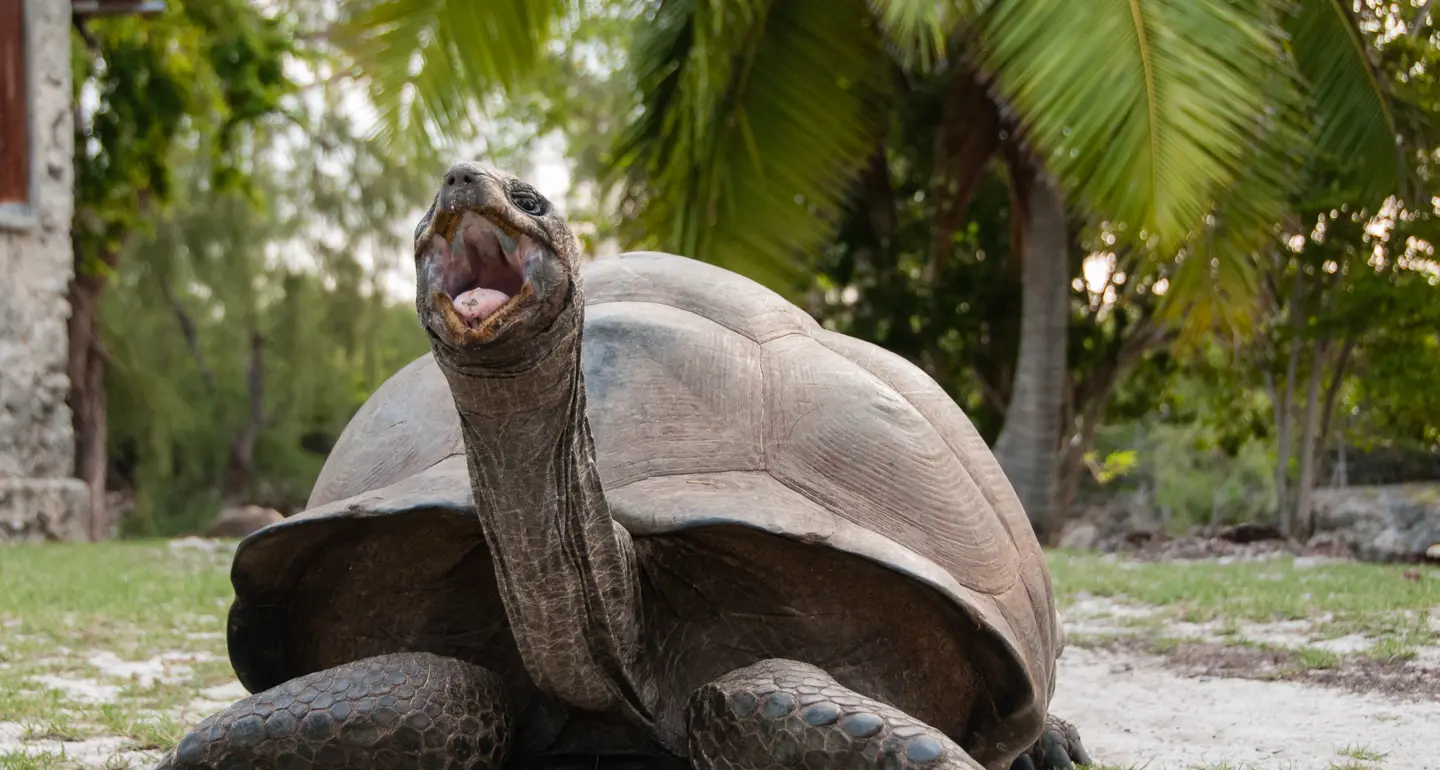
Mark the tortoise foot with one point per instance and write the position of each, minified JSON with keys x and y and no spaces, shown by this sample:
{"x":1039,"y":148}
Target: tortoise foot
{"x":1059,"y":748}
{"x":784,"y":714}
{"x":409,"y":710}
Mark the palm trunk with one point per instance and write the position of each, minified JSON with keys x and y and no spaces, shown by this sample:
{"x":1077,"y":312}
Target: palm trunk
{"x":1028,"y":445}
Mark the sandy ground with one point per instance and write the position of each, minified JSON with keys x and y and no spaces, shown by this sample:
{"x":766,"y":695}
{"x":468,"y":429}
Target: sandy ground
{"x":1133,"y":711}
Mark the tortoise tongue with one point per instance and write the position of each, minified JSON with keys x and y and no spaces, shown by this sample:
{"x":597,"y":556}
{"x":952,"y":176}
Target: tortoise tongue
{"x":479,"y":304}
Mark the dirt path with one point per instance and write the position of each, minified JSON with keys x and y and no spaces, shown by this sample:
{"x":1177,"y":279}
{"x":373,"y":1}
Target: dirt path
{"x":1132,"y":710}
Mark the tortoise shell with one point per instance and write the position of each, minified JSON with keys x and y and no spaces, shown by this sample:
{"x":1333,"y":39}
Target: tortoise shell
{"x":712,"y":401}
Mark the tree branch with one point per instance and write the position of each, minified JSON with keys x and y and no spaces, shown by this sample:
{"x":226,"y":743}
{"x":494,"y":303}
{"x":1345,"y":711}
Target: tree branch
{"x":968,"y":136}
{"x":1332,"y":390}
{"x":192,"y":338}
{"x":1420,"y":18}
{"x":992,"y":394}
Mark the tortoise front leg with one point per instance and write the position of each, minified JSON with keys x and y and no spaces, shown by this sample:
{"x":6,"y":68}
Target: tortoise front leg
{"x":784,"y":714}
{"x":408,"y":710}
{"x":1059,"y":748}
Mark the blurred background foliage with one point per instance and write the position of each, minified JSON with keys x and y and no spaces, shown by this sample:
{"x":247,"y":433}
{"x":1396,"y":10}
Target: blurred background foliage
{"x":1175,"y":249}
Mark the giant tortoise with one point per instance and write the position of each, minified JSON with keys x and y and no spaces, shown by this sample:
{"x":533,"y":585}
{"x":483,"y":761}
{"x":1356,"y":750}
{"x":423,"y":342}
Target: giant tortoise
{"x":714,"y":532}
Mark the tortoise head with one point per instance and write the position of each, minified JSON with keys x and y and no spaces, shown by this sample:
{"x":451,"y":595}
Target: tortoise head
{"x":495,"y":263}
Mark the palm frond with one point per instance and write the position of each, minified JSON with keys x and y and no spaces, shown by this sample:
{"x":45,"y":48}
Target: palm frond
{"x":1348,"y":94}
{"x":1144,"y":109}
{"x":1212,"y":289}
{"x":1216,"y":285}
{"x":429,"y":61}
{"x":755,"y":120}
{"x":917,"y":29}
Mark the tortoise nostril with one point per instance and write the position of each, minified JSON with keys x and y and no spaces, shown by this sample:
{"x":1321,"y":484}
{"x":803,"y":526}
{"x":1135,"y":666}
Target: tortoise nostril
{"x":449,"y":180}
{"x":469,"y":179}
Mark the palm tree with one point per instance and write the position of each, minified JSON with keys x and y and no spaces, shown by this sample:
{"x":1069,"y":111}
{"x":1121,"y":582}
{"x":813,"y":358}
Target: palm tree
{"x":758,"y":115}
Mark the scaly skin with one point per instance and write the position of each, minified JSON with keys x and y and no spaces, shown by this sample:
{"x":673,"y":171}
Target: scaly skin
{"x":412,"y":710}
{"x":785,"y":714}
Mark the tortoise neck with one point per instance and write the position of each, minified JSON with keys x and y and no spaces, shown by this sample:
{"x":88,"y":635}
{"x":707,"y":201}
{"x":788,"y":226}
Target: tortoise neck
{"x":565,"y":569}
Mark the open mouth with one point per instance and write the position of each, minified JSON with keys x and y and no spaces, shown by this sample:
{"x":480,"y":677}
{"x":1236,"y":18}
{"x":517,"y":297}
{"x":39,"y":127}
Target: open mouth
{"x":481,"y":268}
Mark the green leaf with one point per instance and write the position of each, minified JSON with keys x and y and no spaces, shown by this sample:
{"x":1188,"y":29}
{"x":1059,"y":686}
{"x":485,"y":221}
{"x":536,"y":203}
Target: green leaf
{"x":1145,"y":109}
{"x":428,"y":62}
{"x":1348,"y":94}
{"x":756,"y":116}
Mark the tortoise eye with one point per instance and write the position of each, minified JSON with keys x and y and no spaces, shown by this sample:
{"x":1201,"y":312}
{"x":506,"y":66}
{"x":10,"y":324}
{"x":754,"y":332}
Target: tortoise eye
{"x":528,"y":202}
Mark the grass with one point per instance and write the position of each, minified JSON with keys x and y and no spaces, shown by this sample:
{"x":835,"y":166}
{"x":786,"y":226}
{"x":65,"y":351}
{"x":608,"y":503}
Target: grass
{"x":123,"y":597}
{"x":19,"y":760}
{"x":1362,"y":754}
{"x":1315,"y":658}
{"x":1337,"y":599}
{"x":67,"y":602}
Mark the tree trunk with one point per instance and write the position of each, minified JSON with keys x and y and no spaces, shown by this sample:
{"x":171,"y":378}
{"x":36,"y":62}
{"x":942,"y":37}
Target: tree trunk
{"x":1028,"y":445}
{"x":1342,"y":472}
{"x":1090,"y":398}
{"x":87,"y":395}
{"x":241,"y":464}
{"x":1301,"y":521}
{"x":1327,"y":405}
{"x":1072,"y":467}
{"x":1337,"y":380}
{"x":1283,"y":407}
{"x":1078,"y":437}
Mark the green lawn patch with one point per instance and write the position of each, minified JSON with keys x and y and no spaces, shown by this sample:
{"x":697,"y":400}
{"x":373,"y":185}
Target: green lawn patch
{"x":1335,"y":598}
{"x":85,"y":632}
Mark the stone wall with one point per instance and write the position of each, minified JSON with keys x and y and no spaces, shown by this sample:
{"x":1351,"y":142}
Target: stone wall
{"x":39,"y":498}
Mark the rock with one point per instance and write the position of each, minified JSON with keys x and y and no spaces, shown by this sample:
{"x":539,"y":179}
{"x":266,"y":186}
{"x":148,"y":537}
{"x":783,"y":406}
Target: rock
{"x":1397,"y":522}
{"x":1114,"y":516}
{"x":1433,"y":552}
{"x":1144,"y":538}
{"x":1079,"y":536}
{"x":1224,"y":551}
{"x":1326,"y":547}
{"x":239,"y":522}
{"x":193,"y":543}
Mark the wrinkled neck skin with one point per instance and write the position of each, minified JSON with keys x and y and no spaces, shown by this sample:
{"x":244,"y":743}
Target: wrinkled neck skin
{"x":566,"y":570}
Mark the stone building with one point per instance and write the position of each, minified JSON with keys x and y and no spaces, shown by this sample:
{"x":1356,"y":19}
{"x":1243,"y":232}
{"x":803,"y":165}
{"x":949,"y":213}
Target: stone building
{"x":39,"y":495}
